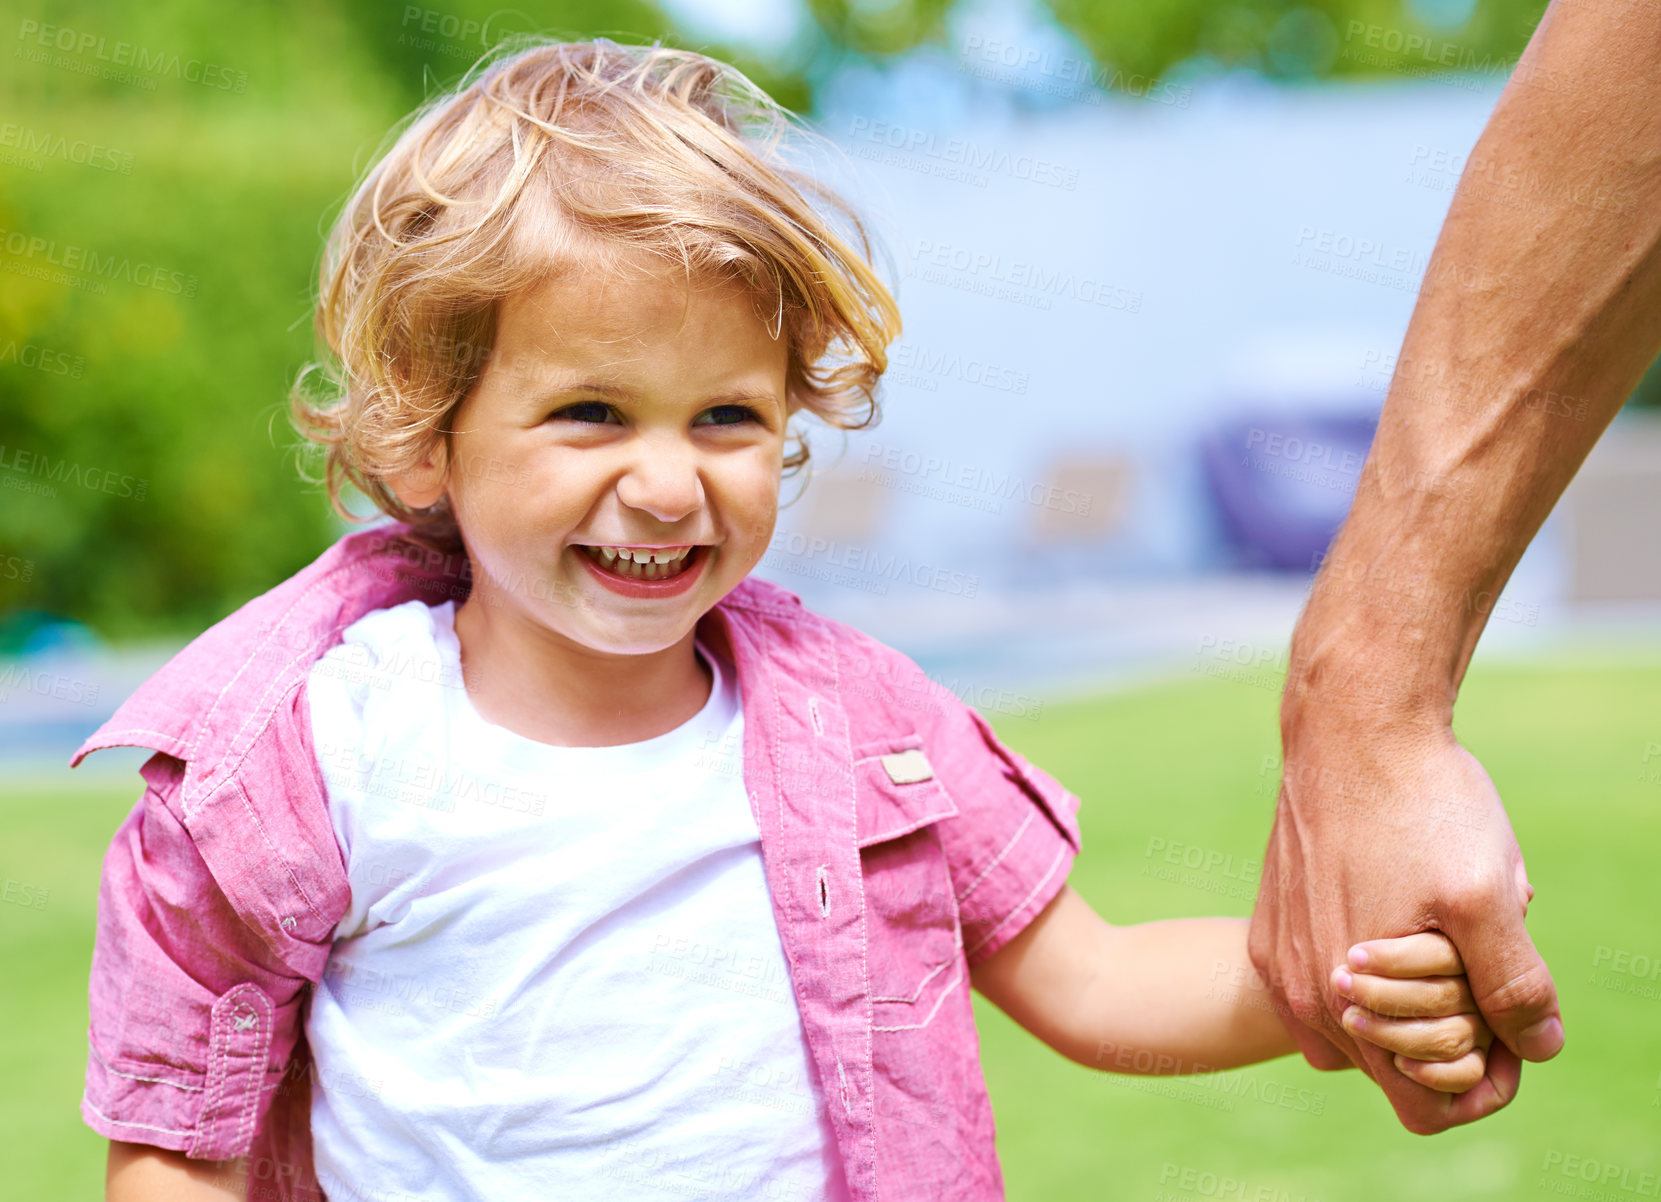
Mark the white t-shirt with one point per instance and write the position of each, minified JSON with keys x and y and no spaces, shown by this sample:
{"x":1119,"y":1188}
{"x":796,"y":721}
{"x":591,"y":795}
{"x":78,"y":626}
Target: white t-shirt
{"x":559,"y":976}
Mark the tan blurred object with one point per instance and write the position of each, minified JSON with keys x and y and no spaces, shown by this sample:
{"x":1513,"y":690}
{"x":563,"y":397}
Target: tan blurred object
{"x":1612,"y":510}
{"x":844,"y":505}
{"x":1086,"y":498}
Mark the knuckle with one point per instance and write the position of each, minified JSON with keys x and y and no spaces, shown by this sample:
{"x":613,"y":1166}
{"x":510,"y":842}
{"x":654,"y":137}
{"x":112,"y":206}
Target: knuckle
{"x":1526,"y":991}
{"x":1474,"y":897}
{"x":1367,"y":995}
{"x":1430,"y":1045}
{"x":1449,"y":1042}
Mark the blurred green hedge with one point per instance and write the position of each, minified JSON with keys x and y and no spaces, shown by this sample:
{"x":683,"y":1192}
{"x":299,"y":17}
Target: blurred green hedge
{"x":148,"y":480}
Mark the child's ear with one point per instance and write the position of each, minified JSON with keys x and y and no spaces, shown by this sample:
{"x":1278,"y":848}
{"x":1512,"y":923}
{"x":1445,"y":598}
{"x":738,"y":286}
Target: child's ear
{"x":422,"y":485}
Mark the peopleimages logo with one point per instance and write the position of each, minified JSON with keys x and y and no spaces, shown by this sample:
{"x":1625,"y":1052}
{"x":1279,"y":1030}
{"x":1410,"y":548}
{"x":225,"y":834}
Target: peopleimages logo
{"x":46,"y":684}
{"x":1580,"y":1176}
{"x":1300,"y":450}
{"x":997,"y":483}
{"x":33,"y":464}
{"x":965,"y":152}
{"x":927,"y":365}
{"x":1365,"y":251}
{"x":67,"y":256}
{"x":1031,"y":283}
{"x":80,"y":152}
{"x":868,"y":562}
{"x":1035,"y":68}
{"x":46,"y":359}
{"x":125,"y":54}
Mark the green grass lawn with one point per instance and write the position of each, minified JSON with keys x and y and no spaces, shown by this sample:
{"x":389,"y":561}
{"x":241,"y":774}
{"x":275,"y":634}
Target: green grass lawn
{"x":1182,"y":762}
{"x":1185,"y":762}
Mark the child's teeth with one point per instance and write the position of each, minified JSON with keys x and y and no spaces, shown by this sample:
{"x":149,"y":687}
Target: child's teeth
{"x":647,"y":554}
{"x":641,"y":563}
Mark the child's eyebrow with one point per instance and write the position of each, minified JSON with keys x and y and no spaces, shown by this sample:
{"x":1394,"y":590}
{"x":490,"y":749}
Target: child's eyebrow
{"x":618,"y":392}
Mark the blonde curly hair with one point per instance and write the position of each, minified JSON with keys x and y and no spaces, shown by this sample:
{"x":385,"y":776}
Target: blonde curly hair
{"x":558,"y":156}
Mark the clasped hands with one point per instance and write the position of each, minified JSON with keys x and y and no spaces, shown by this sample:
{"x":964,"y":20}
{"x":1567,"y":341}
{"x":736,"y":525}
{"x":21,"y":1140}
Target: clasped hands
{"x":1411,"y":838}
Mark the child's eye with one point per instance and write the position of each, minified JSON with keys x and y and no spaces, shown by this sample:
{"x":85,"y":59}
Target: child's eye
{"x":727,"y":415}
{"x":587,"y":412}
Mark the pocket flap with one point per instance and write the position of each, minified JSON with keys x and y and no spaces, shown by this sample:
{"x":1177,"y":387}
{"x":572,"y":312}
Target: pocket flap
{"x":896,"y":793}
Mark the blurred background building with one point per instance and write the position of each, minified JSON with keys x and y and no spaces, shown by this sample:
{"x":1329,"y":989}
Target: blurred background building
{"x":1155,"y":263}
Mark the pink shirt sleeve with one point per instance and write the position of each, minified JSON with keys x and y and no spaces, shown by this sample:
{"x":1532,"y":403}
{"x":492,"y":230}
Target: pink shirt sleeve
{"x":1016,"y":834}
{"x":192,"y":1018}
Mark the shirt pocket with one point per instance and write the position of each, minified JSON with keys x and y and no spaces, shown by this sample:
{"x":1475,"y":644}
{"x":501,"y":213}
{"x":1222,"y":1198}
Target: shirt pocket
{"x":914,"y":943}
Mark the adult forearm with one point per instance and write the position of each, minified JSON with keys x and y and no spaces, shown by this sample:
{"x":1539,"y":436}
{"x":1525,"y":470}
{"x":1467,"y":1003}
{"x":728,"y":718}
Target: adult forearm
{"x":1540,"y":308}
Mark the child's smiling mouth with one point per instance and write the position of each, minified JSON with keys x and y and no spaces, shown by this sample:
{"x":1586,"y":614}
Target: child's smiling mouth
{"x":641,"y":563}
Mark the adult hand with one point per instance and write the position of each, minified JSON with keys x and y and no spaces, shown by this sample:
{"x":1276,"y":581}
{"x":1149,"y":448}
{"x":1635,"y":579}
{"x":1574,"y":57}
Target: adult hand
{"x":1385,"y":825}
{"x":1385,"y":832}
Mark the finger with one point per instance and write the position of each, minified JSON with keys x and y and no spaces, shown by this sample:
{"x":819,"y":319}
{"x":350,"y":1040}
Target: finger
{"x":1453,"y":1076}
{"x":1511,"y":984}
{"x":1427,"y":954}
{"x":1426,"y":1111}
{"x":1440,"y":1039}
{"x":1424,"y":997}
{"x":1494,"y":1092}
{"x":1420,"y":1109}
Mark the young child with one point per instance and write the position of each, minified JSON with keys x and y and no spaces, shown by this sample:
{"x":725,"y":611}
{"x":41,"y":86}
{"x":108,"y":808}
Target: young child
{"x":526,"y":847}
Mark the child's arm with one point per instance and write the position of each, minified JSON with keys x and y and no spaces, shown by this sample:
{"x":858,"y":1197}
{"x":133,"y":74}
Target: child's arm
{"x":1175,"y":996}
{"x":1180,"y":996}
{"x":141,"y":1173}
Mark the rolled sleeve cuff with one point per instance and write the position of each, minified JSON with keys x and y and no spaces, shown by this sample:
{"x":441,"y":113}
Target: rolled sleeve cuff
{"x":1011,"y":891}
{"x":1029,"y":870}
{"x":209,"y":1116}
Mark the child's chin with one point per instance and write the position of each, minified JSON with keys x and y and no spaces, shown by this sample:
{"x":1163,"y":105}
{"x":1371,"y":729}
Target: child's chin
{"x":635,"y":637}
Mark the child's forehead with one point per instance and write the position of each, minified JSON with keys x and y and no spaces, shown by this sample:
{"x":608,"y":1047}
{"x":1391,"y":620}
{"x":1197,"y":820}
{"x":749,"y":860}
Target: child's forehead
{"x":611,"y":268}
{"x":588,"y":325}
{"x":591,"y":311}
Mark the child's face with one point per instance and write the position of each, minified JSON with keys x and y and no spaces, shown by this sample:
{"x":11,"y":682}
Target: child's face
{"x":617,"y":413}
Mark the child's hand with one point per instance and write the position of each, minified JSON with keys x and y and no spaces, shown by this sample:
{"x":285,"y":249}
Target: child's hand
{"x":1412,"y":999}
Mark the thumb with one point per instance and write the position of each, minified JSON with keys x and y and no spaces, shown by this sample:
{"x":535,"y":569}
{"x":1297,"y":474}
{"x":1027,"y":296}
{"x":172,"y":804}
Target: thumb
{"x":1509,"y":981}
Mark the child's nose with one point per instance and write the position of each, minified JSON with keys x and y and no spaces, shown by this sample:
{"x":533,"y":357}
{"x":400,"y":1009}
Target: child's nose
{"x":664,"y":483}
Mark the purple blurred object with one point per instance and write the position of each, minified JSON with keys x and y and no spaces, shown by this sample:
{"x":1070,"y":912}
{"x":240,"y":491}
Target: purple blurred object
{"x":1283,"y":484}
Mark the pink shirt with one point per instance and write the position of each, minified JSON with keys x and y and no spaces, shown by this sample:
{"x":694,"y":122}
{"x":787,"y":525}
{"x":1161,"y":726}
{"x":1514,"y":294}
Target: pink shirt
{"x":890,"y":876}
